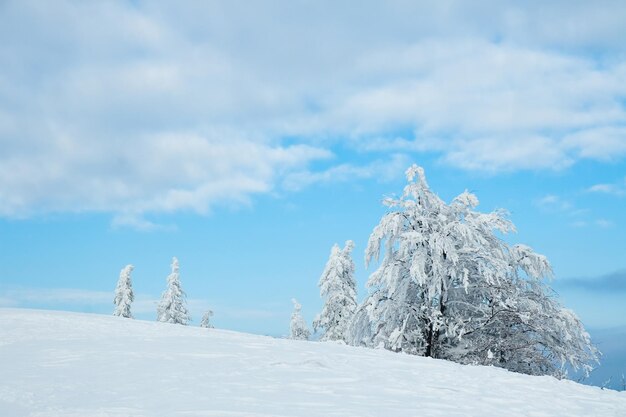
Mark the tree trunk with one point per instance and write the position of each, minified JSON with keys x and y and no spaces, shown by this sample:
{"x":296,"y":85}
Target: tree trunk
{"x":432,"y":334}
{"x":429,"y":336}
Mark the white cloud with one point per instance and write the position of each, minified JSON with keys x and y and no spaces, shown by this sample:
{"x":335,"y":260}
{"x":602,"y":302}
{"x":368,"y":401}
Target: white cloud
{"x":380,"y":170}
{"x":553,"y":202}
{"x":157,"y":173}
{"x":499,"y":154}
{"x":153,"y":107}
{"x":606,"y":189}
{"x":495,"y":107}
{"x":602,"y":188}
{"x":617,"y":189}
{"x":600,"y":223}
{"x":138,"y":222}
{"x":583,"y":217}
{"x":603,"y":223}
{"x":580,"y":217}
{"x":579,"y":224}
{"x":603,"y":143}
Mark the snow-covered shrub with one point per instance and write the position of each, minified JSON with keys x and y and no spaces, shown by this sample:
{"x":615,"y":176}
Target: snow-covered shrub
{"x":298,"y":327}
{"x":173,"y":305}
{"x":206,"y":320}
{"x":124,"y":293}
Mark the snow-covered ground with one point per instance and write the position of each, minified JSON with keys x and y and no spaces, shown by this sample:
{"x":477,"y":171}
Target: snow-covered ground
{"x":81,"y":365}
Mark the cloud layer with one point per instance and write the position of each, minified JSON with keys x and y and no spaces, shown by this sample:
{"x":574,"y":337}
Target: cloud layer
{"x":610,"y":283}
{"x":136,"y":108}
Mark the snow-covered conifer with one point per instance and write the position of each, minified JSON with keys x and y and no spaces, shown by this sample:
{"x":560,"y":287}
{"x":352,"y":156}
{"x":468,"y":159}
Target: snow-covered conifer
{"x":338,"y":287}
{"x":298,"y":327}
{"x":124,"y":293}
{"x":206,"y":320}
{"x":172,"y":308}
{"x":448,"y":287}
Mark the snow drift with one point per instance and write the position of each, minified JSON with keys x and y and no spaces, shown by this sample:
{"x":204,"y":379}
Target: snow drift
{"x":81,"y":365}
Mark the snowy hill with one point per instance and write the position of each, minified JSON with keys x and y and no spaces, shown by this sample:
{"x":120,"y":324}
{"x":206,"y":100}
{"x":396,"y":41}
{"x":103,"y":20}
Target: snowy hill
{"x":80,"y":365}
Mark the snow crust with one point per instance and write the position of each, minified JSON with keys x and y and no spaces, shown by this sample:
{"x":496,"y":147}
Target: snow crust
{"x":81,"y":365}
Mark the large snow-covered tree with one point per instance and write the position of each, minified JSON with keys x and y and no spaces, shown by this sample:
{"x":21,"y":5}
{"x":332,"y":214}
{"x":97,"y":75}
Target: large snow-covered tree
{"x":124,"y":293}
{"x":449,"y":287}
{"x":298,"y":328}
{"x":173,"y":305}
{"x":338,"y":288}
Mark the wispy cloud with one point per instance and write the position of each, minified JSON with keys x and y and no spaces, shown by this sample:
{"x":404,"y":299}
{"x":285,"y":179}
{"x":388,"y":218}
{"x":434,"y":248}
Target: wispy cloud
{"x":579,"y":217}
{"x":604,"y":223}
{"x":139,"y":222}
{"x":552,"y":202}
{"x":601,"y":223}
{"x":617,"y":189}
{"x":380,"y":170}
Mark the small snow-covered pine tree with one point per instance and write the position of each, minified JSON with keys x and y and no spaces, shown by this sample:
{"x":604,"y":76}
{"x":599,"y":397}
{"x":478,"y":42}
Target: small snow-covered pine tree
{"x":338,"y":287}
{"x":298,"y":327}
{"x":206,"y":320}
{"x":124,"y":293}
{"x":172,"y":308}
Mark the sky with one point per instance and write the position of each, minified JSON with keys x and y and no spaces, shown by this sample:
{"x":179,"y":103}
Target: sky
{"x":246,"y":138}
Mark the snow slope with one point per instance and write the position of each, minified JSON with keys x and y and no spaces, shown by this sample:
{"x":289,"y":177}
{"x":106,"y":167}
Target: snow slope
{"x":81,"y":365}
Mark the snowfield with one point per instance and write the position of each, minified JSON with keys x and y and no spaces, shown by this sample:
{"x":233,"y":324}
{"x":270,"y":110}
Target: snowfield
{"x":82,"y":365}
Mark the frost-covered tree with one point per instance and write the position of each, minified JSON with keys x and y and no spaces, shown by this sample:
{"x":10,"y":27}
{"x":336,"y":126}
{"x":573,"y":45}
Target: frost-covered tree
{"x":449,"y":287}
{"x":172,"y":308}
{"x":298,"y":327}
{"x":124,"y":293}
{"x":529,"y":333}
{"x":206,"y":320}
{"x":338,"y":288}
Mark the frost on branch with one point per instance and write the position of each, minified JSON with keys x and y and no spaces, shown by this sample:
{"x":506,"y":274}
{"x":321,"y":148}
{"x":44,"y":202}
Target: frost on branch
{"x":124,"y":293}
{"x":448,"y":287}
{"x":173,"y":305}
{"x":298,"y":327}
{"x":338,"y":288}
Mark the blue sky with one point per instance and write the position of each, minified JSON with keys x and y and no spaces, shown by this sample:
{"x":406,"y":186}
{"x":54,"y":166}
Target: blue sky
{"x":246,"y":139}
